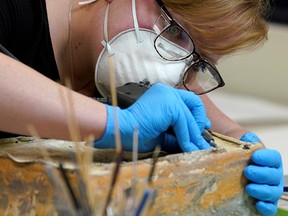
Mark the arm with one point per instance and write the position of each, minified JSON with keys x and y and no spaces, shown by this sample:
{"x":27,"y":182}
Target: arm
{"x":221,"y":123}
{"x":27,"y":97}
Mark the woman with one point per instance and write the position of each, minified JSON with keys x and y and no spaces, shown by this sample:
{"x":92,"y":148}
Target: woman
{"x":58,"y":40}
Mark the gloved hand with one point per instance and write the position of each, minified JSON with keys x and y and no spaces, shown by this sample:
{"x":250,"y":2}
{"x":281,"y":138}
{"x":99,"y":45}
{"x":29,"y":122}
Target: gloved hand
{"x":250,"y":137}
{"x":158,"y":108}
{"x":266,"y":178}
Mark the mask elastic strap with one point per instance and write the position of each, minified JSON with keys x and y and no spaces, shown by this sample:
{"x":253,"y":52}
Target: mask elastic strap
{"x":135,"y":21}
{"x":105,"y":42}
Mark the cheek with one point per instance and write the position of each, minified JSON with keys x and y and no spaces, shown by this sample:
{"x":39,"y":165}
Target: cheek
{"x":147,"y":24}
{"x":148,"y":16}
{"x":116,"y":28}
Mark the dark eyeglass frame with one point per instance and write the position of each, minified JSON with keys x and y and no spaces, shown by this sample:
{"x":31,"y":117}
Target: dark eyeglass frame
{"x":196,"y":57}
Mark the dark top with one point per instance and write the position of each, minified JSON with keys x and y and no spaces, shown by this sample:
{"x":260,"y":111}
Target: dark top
{"x":24,"y":32}
{"x":280,"y":11}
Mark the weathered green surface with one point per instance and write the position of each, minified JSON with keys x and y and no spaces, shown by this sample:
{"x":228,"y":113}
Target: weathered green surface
{"x":282,"y":212}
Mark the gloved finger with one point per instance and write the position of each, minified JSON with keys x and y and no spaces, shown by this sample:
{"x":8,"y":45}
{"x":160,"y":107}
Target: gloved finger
{"x":208,"y":124}
{"x":182,"y":133}
{"x":149,"y":145}
{"x":101,"y":144}
{"x":267,"y":157}
{"x":170,"y":144}
{"x":196,"y":119}
{"x":263,"y":175}
{"x":266,"y":208}
{"x":264,"y":192}
{"x":250,"y":137}
{"x":194,"y":138}
{"x":195,"y":132}
{"x":195,"y":106}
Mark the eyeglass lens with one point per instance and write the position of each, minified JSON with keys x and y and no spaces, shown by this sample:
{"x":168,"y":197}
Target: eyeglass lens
{"x":201,"y":78}
{"x":172,"y":43}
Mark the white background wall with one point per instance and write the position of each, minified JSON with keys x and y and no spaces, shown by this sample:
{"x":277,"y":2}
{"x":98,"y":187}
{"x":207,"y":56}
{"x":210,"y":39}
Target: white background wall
{"x":263,"y":72}
{"x":256,"y":91}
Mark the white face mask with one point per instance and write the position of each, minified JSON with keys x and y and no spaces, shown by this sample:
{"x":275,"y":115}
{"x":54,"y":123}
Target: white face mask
{"x":134,"y":60}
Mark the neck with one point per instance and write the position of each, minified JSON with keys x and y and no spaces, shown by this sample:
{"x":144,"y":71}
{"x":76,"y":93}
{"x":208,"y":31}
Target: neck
{"x":59,"y":31}
{"x":75,"y":38}
{"x":85,"y":41}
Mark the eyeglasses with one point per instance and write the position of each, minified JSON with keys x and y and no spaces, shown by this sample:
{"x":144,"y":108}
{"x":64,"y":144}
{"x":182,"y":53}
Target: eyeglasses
{"x":173,"y":43}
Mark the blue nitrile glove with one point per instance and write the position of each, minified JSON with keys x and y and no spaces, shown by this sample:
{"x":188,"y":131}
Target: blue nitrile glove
{"x":158,"y":108}
{"x":265,"y":176}
{"x":250,"y":137}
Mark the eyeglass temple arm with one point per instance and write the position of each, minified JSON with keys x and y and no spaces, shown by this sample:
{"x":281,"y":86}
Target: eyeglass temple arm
{"x":163,"y":7}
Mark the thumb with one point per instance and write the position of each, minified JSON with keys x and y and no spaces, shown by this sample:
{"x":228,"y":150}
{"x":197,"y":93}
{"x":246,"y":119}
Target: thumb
{"x":170,"y":144}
